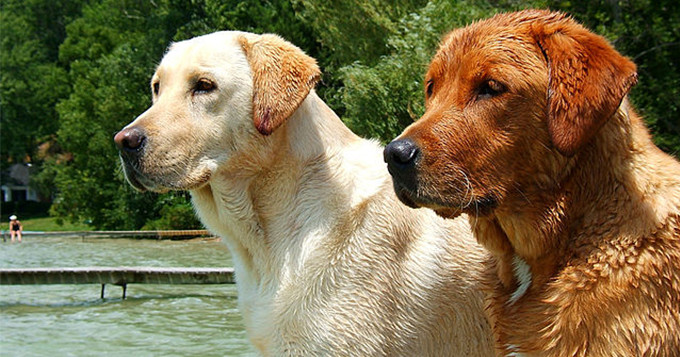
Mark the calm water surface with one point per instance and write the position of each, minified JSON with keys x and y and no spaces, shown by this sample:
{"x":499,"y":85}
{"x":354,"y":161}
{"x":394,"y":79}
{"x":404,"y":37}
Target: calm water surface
{"x":154,"y":320}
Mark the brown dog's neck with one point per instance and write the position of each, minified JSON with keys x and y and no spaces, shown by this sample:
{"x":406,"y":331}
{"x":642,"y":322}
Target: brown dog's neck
{"x":621,"y":177}
{"x":544,"y":226}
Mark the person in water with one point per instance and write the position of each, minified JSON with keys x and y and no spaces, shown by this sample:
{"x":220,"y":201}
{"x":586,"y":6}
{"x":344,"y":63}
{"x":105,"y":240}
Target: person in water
{"x":15,"y":228}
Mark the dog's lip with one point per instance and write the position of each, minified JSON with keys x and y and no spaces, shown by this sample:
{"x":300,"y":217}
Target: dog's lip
{"x":404,"y":195}
{"x":135,"y":184}
{"x":135,"y":178}
{"x":484,"y":205}
{"x":481,"y":206}
{"x":444,"y":212}
{"x":412,"y":200}
{"x":448,"y":212}
{"x":142,"y":182}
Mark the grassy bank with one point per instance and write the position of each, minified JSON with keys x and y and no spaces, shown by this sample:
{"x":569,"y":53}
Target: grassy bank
{"x":34,"y":216}
{"x":48,"y":224}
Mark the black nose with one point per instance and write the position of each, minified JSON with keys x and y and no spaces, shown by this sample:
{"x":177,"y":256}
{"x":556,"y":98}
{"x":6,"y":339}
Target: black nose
{"x":400,"y":154}
{"x":401,"y":157}
{"x":130,"y":139}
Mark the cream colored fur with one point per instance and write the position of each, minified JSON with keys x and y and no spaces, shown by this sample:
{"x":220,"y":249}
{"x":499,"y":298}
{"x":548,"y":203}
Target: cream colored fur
{"x":327,"y":260}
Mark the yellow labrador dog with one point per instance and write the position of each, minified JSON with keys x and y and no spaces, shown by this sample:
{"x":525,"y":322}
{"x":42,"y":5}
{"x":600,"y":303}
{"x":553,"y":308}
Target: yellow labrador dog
{"x":327,"y":260}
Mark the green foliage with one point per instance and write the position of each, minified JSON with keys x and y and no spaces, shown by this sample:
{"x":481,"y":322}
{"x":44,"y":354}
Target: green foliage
{"x":176,"y":212}
{"x":76,"y":71}
{"x":259,"y":17}
{"x":355,"y":30}
{"x":351,"y":32}
{"x":111,"y":50}
{"x":31,"y":82}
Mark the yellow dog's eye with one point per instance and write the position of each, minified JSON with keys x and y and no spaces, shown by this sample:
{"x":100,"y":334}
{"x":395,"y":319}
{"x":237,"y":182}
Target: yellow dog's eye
{"x":156,"y":88}
{"x":203,"y":86}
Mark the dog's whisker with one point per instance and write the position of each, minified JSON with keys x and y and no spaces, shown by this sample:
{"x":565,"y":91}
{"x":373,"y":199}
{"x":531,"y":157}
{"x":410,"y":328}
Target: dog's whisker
{"x":519,"y":190}
{"x":468,"y":188}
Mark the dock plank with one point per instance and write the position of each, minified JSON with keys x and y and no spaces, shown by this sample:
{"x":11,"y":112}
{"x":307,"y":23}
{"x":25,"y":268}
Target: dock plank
{"x":116,"y":275}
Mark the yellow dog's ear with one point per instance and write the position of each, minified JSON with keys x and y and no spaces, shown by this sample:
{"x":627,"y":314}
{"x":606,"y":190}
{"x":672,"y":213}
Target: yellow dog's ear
{"x":588,"y":79}
{"x":283,"y":75}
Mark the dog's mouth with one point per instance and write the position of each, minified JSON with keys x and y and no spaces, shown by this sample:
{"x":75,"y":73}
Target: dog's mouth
{"x":482,"y":205}
{"x":447,"y":206}
{"x":411,"y":199}
{"x":136,"y":178}
{"x":132,"y":180}
{"x":404,"y":195}
{"x":161,"y":183}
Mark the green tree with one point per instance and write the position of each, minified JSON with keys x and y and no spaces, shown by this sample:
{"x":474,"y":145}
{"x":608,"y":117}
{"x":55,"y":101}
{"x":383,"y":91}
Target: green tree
{"x":355,"y":30}
{"x":31,"y":80}
{"x":112,"y":49}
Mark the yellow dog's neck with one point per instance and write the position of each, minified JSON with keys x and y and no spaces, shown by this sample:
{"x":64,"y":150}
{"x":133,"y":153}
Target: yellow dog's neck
{"x":257,"y":209}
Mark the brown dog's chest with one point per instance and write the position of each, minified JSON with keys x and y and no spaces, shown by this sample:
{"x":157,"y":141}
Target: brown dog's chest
{"x":613,"y":281}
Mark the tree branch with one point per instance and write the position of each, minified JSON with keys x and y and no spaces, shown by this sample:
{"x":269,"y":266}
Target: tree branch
{"x":666,"y":44}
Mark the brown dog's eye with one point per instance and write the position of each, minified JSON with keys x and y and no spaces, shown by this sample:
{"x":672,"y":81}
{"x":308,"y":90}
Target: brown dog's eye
{"x":203,"y":86}
{"x":489,"y":89}
{"x":429,"y":87}
{"x":156,"y":88}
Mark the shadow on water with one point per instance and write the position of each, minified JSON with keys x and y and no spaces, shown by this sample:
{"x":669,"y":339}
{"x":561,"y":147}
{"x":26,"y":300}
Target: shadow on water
{"x":112,"y":300}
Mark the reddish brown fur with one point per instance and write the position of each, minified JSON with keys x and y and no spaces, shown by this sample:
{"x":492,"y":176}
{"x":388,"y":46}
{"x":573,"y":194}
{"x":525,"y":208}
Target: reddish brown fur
{"x":556,"y":168}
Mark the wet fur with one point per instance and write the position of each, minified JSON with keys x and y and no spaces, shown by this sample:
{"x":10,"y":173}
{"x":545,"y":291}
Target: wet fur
{"x":555,"y":169}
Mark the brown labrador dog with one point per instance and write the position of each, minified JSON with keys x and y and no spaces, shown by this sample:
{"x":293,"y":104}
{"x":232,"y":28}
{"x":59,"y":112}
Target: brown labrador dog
{"x":528,"y":130}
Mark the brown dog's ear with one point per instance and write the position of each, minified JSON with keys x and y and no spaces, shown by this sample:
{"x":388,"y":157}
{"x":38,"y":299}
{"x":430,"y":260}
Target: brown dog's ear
{"x":588,"y":79}
{"x":283,"y":75}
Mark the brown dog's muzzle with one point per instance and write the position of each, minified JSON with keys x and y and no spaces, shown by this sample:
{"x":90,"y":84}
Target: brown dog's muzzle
{"x":402,"y":157}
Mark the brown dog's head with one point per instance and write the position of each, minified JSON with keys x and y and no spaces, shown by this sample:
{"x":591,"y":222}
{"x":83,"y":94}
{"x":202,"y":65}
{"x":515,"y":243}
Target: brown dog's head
{"x":508,"y":101}
{"x":216,"y":100}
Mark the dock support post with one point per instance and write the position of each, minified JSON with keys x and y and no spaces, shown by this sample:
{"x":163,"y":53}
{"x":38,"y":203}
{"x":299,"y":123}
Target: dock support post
{"x":103,"y":287}
{"x":124,"y":291}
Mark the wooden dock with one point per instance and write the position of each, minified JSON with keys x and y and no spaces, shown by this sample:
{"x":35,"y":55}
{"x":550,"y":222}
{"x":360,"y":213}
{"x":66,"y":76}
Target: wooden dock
{"x":121,"y":276}
{"x":177,"y":234}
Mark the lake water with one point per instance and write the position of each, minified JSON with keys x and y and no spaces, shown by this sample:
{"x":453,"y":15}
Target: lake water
{"x":154,"y":320}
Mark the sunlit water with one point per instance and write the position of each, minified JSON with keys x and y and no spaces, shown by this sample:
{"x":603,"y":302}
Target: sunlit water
{"x":154,"y":320}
